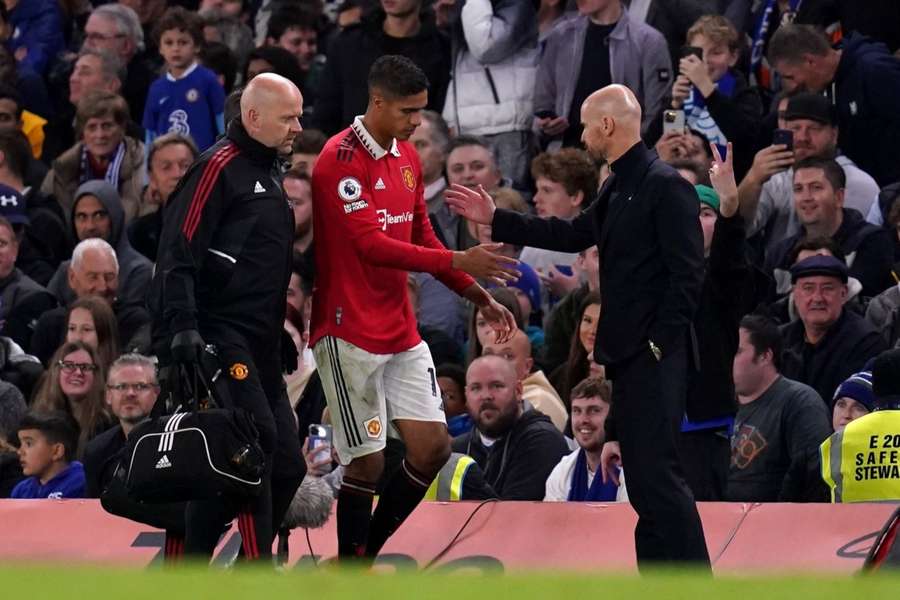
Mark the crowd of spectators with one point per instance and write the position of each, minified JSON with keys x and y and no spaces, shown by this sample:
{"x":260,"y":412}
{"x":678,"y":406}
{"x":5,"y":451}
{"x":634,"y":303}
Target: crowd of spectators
{"x":104,"y":105}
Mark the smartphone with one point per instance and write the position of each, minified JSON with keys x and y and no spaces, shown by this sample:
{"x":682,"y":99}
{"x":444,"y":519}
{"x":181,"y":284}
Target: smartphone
{"x":545,"y":114}
{"x":784,"y":136}
{"x":695,"y":50}
{"x":673,"y":120}
{"x":320,"y":437}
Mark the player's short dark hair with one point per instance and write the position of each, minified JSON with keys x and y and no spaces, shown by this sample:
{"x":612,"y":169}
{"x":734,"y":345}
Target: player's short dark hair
{"x":285,"y":18}
{"x":309,"y":141}
{"x":764,"y":335}
{"x":834,"y":173}
{"x":8,"y":92}
{"x":219,"y":59}
{"x":178,"y":18}
{"x":16,"y":151}
{"x":397,"y":76}
{"x":815,"y":243}
{"x":791,"y":42}
{"x":57,"y":426}
{"x":592,"y":387}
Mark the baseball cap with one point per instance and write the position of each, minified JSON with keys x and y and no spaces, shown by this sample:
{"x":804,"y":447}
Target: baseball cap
{"x":12,"y":206}
{"x":820,"y":264}
{"x":814,"y":107}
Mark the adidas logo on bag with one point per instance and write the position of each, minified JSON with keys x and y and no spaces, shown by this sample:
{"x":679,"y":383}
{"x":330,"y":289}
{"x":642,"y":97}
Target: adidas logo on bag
{"x":163,"y":463}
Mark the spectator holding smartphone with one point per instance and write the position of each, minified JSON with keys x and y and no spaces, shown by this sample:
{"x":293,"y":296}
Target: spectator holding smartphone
{"x":716,"y":98}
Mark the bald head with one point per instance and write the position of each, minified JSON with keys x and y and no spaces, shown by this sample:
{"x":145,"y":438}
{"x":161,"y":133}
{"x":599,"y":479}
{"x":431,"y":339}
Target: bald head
{"x":612,"y":121}
{"x":271,"y":106}
{"x":516,"y":351}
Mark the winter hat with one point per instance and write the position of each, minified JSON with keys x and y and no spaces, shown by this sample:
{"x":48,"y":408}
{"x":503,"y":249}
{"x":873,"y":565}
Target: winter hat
{"x":857,"y":387}
{"x":708,"y":196}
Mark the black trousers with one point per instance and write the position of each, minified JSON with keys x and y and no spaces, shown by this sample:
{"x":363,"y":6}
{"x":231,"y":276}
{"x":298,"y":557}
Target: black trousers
{"x":648,"y":400}
{"x":705,"y":456}
{"x":256,"y":386}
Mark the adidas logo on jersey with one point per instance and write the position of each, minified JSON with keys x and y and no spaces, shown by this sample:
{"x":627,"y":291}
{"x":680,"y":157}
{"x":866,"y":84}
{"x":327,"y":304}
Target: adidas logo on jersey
{"x":163,"y":463}
{"x":258,"y":188}
{"x":379,"y":185}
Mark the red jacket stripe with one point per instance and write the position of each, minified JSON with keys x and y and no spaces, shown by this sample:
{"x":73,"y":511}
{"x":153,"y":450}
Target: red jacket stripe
{"x":207,"y":181}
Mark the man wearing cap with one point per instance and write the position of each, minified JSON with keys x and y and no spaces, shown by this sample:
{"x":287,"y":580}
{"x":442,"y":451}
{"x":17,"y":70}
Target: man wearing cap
{"x":22,"y":300}
{"x":779,"y":425}
{"x":819,"y":194}
{"x":766,"y":193}
{"x":854,"y":399}
{"x":828,"y":343}
{"x":861,"y":463}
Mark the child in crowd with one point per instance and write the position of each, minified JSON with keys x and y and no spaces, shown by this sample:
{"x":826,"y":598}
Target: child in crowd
{"x":47,"y":444}
{"x":188,"y":98}
{"x":716,"y":98}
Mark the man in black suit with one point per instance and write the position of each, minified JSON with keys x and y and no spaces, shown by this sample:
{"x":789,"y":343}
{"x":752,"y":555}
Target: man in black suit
{"x":646,"y":226}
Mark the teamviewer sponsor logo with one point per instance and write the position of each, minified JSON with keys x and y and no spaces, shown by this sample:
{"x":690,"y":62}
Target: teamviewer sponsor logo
{"x":385,"y":218}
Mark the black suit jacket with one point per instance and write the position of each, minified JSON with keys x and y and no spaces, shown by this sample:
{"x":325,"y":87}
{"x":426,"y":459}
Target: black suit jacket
{"x":645,"y":223}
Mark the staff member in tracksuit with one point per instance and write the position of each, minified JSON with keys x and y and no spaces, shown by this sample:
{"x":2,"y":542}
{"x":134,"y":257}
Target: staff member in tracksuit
{"x":221,"y":279}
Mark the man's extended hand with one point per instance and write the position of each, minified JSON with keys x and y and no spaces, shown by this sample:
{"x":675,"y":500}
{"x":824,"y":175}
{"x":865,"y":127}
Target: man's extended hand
{"x":610,"y":461}
{"x":500,"y":319}
{"x":475,"y":205}
{"x":769,"y":161}
{"x":481,"y":262}
{"x":187,"y":346}
{"x":721,"y":176}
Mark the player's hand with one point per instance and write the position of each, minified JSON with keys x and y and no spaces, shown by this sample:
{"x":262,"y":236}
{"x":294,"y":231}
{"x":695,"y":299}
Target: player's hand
{"x":721,"y":176}
{"x":769,"y":161}
{"x":500,"y":319}
{"x":681,"y":89}
{"x":552,"y":127}
{"x":558,"y":282}
{"x":482,"y":262}
{"x":475,"y":205}
{"x":610,"y":462}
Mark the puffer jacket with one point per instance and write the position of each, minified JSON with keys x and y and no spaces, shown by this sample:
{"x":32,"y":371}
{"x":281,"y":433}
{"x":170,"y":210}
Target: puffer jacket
{"x":495,"y":60}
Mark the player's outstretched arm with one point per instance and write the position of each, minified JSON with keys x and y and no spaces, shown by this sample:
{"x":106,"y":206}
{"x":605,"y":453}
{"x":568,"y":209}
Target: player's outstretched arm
{"x":482,"y":262}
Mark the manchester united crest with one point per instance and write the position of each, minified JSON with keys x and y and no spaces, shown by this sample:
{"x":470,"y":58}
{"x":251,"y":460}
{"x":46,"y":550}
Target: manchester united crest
{"x":409,"y":178}
{"x":373,"y":427}
{"x":239,"y":371}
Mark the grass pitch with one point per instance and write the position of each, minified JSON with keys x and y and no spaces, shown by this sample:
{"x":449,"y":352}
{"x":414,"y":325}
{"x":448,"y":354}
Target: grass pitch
{"x":93,"y":583}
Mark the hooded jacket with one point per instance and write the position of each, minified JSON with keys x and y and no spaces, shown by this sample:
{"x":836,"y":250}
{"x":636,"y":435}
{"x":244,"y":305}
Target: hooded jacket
{"x":865,"y":91}
{"x":63,"y":179}
{"x":517,"y":465}
{"x":22,"y":302}
{"x":135,"y":270}
{"x":495,"y":62}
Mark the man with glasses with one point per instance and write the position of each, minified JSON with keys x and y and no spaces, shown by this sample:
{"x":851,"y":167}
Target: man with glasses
{"x":131,"y":391}
{"x":117,"y":29}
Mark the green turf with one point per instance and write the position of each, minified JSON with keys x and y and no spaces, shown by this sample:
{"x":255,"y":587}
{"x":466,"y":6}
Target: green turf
{"x":39,"y":582}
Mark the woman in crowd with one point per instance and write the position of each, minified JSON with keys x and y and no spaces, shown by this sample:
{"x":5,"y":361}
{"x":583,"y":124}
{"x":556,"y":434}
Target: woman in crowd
{"x":580,"y":364}
{"x":480,"y":331}
{"x":74,"y":384}
{"x":104,"y":152}
{"x":91,"y":321}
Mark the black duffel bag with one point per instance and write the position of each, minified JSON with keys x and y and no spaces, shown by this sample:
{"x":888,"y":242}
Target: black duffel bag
{"x":204,"y":449}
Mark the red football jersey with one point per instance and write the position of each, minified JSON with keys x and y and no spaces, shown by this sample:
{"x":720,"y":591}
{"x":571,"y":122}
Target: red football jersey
{"x":370,"y":227}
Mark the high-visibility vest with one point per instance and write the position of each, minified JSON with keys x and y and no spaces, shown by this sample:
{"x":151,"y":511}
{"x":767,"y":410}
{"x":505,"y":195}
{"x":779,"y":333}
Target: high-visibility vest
{"x":448,"y":485}
{"x":862,"y":462}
